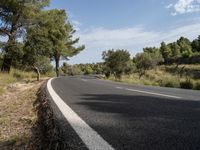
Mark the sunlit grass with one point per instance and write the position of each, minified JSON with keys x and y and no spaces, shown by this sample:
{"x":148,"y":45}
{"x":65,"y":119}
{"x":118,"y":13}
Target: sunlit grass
{"x":14,"y":76}
{"x":161,"y":77}
{"x":18,"y":113}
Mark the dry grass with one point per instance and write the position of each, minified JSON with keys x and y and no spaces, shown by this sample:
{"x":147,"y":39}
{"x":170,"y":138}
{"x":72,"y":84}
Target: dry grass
{"x":166,"y":76}
{"x":5,"y":79}
{"x":17,"y":114}
{"x":13,"y":77}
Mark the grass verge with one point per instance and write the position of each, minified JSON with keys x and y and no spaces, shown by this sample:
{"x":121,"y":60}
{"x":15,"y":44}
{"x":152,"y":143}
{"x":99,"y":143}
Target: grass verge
{"x":17,"y":113}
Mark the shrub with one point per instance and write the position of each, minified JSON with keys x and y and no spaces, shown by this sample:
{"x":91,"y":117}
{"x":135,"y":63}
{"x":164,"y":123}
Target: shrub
{"x":197,"y":86}
{"x":172,"y":83}
{"x":147,"y":82}
{"x":186,"y":84}
{"x":18,"y":74}
{"x":116,"y":61}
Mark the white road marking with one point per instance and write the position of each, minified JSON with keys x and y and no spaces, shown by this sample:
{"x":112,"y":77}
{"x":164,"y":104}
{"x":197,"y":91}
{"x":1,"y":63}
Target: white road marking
{"x":152,"y":93}
{"x":90,"y":137}
{"x":84,"y":80}
{"x":118,"y":87}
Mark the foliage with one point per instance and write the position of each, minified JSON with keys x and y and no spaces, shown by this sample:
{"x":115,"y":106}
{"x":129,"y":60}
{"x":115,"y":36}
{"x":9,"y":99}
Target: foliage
{"x":185,"y":47}
{"x":79,"y":69}
{"x":149,"y":59}
{"x":155,"y":55}
{"x":22,"y":75}
{"x":15,"y":16}
{"x":165,"y":51}
{"x":71,"y":69}
{"x":187,"y":84}
{"x":14,"y":76}
{"x":143,"y":62}
{"x":130,"y":68}
{"x":196,"y":45}
{"x":47,"y":34}
{"x":175,"y":50}
{"x":37,"y":48}
{"x":60,"y":33}
{"x":116,"y":62}
{"x":170,"y":82}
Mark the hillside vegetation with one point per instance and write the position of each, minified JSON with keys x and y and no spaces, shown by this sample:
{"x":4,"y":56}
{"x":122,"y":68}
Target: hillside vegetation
{"x":165,"y":76}
{"x":175,"y":64}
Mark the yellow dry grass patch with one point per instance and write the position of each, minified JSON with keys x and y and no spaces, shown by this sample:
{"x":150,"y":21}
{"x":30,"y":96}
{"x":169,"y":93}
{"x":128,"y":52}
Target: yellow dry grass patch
{"x":17,"y":114}
{"x":164,"y":76}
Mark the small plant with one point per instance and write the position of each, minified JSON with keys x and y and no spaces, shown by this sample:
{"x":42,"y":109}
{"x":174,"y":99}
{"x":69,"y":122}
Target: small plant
{"x":188,"y":84}
{"x":172,"y":83}
{"x":18,"y":74}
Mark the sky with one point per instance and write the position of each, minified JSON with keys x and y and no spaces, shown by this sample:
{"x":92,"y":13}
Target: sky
{"x":128,"y":24}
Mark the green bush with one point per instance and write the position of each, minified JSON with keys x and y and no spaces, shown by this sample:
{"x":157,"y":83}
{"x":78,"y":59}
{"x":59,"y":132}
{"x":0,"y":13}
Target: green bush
{"x":186,"y":84}
{"x":170,"y":83}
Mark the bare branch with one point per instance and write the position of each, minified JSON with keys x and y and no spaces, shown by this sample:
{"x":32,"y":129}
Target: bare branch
{"x":4,"y":31}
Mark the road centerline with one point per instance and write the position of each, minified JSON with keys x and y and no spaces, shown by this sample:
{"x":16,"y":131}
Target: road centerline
{"x":84,"y":80}
{"x":147,"y":92}
{"x":118,"y":87}
{"x":152,"y":93}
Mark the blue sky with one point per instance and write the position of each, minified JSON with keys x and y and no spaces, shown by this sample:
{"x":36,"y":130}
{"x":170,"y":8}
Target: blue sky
{"x":129,"y":24}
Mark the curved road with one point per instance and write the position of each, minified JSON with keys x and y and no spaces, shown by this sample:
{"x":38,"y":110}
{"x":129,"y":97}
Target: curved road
{"x":134,"y":117}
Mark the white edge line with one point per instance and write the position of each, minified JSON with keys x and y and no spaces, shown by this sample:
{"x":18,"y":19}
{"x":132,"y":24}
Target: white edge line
{"x":84,"y":80}
{"x":90,"y":137}
{"x":152,"y":93}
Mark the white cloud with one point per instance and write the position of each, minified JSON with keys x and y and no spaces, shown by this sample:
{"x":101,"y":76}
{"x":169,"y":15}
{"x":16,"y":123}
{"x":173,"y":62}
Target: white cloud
{"x":185,"y":6}
{"x":116,"y":37}
{"x":133,"y":39}
{"x":169,"y":6}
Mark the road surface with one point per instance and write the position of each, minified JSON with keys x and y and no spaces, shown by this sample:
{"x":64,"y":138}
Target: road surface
{"x":127,"y":116}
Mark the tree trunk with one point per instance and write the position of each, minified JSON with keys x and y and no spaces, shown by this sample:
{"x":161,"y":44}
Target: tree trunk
{"x":6,"y":64}
{"x":38,"y":73}
{"x":7,"y":60}
{"x":57,"y":67}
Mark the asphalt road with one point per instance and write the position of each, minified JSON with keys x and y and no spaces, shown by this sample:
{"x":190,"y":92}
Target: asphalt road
{"x":134,"y":117}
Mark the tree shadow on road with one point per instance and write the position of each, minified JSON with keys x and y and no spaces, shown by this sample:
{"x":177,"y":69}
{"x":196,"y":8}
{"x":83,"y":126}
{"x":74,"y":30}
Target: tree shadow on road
{"x":151,"y":122}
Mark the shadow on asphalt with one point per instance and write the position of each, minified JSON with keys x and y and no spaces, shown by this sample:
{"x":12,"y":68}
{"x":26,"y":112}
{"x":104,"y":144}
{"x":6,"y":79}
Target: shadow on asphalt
{"x":147,"y":122}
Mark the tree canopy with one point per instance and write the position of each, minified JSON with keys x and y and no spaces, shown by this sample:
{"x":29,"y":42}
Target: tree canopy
{"x":47,"y":35}
{"x":15,"y":16}
{"x":116,"y":62}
